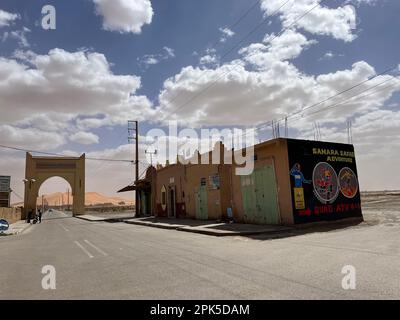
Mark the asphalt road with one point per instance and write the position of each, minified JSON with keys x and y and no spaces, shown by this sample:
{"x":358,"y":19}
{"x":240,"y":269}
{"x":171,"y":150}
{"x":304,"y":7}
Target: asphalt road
{"x":120,"y":261}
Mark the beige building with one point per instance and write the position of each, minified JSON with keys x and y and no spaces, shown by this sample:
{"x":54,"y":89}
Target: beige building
{"x":293,"y":182}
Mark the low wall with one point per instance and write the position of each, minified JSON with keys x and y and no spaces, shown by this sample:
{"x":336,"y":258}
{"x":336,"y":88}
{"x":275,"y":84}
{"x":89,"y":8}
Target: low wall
{"x":11,"y":214}
{"x":109,"y":208}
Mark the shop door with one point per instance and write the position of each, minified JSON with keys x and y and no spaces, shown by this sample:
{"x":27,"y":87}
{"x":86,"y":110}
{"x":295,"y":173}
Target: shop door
{"x":171,"y":203}
{"x":260,"y":196}
{"x":201,"y":203}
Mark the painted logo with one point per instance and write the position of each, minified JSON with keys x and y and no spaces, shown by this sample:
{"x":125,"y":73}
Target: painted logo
{"x":4,"y":225}
{"x":325,"y":181}
{"x":348,"y":183}
{"x":298,"y":176}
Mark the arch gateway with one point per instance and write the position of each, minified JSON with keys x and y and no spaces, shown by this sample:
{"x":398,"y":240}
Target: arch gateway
{"x":39,"y":169}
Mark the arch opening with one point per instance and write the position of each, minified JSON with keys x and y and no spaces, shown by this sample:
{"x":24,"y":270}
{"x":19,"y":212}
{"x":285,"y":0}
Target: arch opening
{"x":40,"y":169}
{"x":55,"y":198}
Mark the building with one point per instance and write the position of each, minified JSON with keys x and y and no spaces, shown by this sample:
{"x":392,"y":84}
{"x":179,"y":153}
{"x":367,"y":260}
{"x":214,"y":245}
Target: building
{"x":5,"y":191}
{"x":293,"y":182}
{"x":146,"y":188}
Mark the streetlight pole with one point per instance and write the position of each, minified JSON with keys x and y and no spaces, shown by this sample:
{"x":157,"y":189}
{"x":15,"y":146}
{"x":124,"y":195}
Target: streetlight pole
{"x":133,"y":127}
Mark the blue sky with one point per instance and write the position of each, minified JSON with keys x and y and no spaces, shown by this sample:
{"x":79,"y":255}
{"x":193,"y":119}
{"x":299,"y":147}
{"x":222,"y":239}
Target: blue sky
{"x":338,"y":45}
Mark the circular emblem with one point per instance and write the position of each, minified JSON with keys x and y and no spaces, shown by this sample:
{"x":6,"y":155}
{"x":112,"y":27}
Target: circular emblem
{"x":4,"y":225}
{"x":325,"y":181}
{"x":348,"y":182}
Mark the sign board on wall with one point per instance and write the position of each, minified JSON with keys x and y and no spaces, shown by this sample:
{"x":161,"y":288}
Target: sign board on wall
{"x":324,"y":181}
{"x":5,"y":183}
{"x":214,"y":182}
{"x":5,"y":191}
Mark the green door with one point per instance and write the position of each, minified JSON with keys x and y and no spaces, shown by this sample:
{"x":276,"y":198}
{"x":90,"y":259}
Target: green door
{"x":143,"y":201}
{"x":260,"y":196}
{"x":201,"y":203}
{"x":248,"y":197}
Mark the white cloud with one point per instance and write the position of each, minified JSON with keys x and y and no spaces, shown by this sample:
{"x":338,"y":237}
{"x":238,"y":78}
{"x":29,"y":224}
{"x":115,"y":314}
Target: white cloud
{"x":30,"y":138}
{"x":19,"y":36}
{"x":124,"y":16}
{"x":209,"y":59}
{"x":264,"y":86}
{"x":328,"y":56}
{"x":86,"y":138}
{"x":26,"y":56}
{"x":336,"y":22}
{"x":69,"y":83}
{"x":359,"y":2}
{"x":153,"y":59}
{"x":170,"y":52}
{"x":287,"y":46}
{"x":226,"y":33}
{"x":6,"y":18}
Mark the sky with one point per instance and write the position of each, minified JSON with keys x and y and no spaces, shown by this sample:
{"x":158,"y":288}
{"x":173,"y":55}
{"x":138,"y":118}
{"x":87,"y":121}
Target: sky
{"x":206,"y":64}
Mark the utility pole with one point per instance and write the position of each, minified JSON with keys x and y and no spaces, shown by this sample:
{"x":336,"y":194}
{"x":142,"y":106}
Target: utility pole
{"x":133,"y":134}
{"x":68,"y":199}
{"x":286,"y":128}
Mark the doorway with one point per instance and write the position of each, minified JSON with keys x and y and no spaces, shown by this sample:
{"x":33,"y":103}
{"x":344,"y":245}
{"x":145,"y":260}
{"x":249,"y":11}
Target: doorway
{"x":201,"y":203}
{"x":259,"y":196}
{"x":171,"y":202}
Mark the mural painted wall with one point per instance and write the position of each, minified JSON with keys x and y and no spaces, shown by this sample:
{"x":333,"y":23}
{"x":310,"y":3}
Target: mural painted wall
{"x":324,"y":181}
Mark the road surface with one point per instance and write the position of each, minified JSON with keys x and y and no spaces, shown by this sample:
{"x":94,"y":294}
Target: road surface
{"x":100,"y":260}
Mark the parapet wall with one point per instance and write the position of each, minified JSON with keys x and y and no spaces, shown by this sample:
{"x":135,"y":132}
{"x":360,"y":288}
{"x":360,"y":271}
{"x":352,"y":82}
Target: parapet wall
{"x":11,"y":214}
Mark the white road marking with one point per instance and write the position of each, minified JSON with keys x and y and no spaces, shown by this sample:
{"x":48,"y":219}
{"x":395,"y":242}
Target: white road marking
{"x":96,"y":248}
{"x":63,"y":227}
{"x":83,"y":249}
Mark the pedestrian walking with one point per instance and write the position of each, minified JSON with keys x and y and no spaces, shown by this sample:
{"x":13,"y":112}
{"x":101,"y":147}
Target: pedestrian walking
{"x":40,"y":216}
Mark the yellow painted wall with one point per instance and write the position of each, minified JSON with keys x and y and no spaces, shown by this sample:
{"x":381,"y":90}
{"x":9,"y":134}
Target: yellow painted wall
{"x":270,"y":152}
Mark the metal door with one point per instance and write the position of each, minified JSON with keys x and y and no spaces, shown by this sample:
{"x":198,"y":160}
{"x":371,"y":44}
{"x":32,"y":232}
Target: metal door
{"x":260,"y":196}
{"x":248,"y":197}
{"x":201,"y":203}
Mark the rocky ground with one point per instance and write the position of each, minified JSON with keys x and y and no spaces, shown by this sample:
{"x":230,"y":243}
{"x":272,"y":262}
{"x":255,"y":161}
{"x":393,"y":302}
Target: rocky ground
{"x":381,"y":207}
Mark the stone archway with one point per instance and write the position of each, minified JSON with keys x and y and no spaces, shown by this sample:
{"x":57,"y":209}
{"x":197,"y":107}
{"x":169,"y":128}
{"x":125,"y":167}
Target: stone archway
{"x":39,"y":169}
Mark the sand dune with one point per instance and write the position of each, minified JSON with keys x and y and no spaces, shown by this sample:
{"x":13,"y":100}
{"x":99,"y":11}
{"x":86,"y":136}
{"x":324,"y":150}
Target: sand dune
{"x":91,"y":198}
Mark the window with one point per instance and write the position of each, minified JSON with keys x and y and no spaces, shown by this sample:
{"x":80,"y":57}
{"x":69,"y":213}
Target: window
{"x":163,"y":196}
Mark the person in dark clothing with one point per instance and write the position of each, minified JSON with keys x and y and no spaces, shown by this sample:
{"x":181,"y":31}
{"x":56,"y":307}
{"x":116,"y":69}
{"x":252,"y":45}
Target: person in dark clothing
{"x":30,"y":213}
{"x":40,"y":216}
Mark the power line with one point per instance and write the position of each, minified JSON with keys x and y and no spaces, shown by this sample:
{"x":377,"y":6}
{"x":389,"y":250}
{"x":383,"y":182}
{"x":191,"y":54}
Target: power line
{"x":254,"y":30}
{"x":17,"y":194}
{"x":223,"y":56}
{"x":342,"y":92}
{"x":285,"y":118}
{"x":339,"y":103}
{"x":237,"y":65}
{"x":244,"y":15}
{"x":62,"y":155}
{"x":238,"y":43}
{"x":346,"y":100}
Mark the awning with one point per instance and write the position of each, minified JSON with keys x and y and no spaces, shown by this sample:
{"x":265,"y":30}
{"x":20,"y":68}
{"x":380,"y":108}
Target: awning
{"x":139,"y":185}
{"x":127,"y":188}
